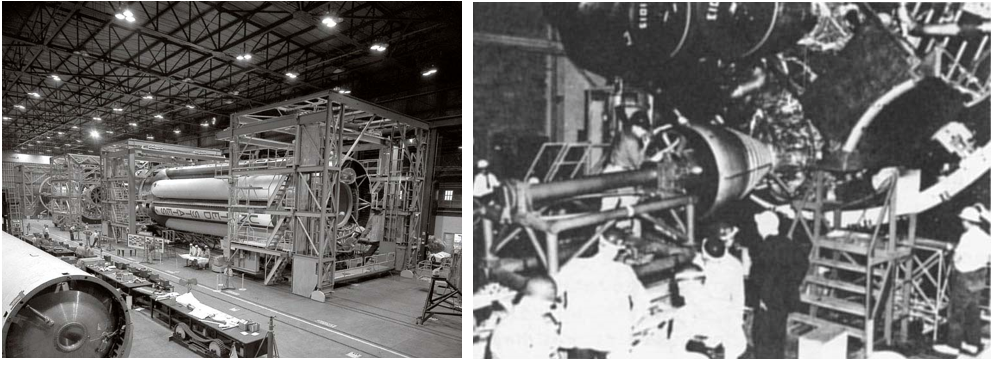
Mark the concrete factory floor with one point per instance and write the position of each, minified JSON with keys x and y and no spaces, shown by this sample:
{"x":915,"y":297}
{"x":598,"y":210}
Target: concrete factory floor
{"x":372,"y":318}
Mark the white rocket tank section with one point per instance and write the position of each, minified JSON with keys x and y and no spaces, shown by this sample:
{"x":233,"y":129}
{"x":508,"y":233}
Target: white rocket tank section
{"x":257,"y":188}
{"x":52,"y":309}
{"x":191,"y":199}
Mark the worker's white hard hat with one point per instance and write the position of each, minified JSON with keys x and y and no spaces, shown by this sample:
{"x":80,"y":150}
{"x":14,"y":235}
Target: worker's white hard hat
{"x":766,"y":217}
{"x":481,"y":164}
{"x":970,"y":214}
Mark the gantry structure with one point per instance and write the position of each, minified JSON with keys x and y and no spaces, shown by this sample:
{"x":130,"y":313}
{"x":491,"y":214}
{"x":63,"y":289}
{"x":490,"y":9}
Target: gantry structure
{"x":322,"y":148}
{"x":126,"y":165}
{"x":74,"y":190}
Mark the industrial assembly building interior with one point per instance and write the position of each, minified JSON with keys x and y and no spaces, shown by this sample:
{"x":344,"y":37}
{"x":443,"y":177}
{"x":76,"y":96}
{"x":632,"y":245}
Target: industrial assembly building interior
{"x":232,"y":179}
{"x":731,"y":180}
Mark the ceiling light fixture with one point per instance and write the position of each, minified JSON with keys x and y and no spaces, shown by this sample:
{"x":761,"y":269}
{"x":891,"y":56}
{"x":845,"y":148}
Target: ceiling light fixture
{"x":214,"y":120}
{"x":126,"y":15}
{"x":158,"y":116}
{"x":61,"y":133}
{"x":204,"y":124}
{"x":328,"y":21}
{"x":291,"y":74}
{"x":56,"y":78}
{"x":379,"y":46}
{"x":95,"y":134}
{"x":148,"y":97}
{"x":177,"y":131}
{"x":75,"y":127}
{"x":244,"y":57}
{"x":430,"y":71}
{"x":133,"y":124}
{"x":18,"y":106}
{"x":35,"y":95}
{"x":110,"y":132}
{"x":118,"y":109}
{"x":149,"y":137}
{"x":48,"y":137}
{"x":6,"y":118}
{"x":97,"y":119}
{"x":190,"y":106}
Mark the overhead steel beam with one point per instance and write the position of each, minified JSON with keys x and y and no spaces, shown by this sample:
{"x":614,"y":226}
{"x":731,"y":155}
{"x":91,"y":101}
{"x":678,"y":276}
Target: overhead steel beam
{"x":544,"y":46}
{"x":48,"y":40}
{"x":108,"y":91}
{"x":132,"y":68}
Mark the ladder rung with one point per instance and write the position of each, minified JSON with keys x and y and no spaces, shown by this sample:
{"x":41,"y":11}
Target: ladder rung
{"x":846,"y":266}
{"x":836,"y":304}
{"x":836,"y":284}
{"x":819,"y":322}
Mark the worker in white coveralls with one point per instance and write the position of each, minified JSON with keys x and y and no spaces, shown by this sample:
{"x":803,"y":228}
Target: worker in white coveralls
{"x":529,"y":331}
{"x":722,"y":299}
{"x":967,"y":284}
{"x":602,"y":301}
{"x":484,"y":182}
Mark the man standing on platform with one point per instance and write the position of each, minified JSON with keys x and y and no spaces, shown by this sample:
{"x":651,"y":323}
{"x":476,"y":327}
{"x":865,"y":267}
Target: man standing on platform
{"x":967,"y":282}
{"x":88,"y":233}
{"x":778,"y":269}
{"x":374,"y":231}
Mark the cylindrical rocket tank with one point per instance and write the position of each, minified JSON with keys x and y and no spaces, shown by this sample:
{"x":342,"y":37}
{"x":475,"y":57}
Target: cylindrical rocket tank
{"x":190,"y":199}
{"x":617,"y":38}
{"x":52,"y":309}
{"x":252,"y":188}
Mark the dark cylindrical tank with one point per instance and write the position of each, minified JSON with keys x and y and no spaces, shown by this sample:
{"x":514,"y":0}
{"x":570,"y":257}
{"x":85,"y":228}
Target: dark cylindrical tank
{"x":632,"y":38}
{"x":52,"y":309}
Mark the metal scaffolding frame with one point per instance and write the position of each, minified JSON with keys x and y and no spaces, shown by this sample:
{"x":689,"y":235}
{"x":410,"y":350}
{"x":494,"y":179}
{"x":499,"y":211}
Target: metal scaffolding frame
{"x":12,"y":186}
{"x":73,"y":176}
{"x":308,"y":141}
{"x":33,"y":178}
{"x":125,"y":164}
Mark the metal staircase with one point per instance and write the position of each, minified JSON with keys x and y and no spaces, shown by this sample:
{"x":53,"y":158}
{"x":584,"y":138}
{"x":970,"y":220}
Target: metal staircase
{"x":857,"y":280}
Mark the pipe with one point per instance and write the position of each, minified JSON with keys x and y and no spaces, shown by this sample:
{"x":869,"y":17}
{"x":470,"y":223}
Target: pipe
{"x":593,"y":184}
{"x":604,"y":216}
{"x":52,"y":309}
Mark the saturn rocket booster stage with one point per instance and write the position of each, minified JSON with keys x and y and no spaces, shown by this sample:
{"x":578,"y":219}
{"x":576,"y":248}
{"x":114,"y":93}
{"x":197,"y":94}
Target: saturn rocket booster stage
{"x":52,"y":309}
{"x":191,"y":199}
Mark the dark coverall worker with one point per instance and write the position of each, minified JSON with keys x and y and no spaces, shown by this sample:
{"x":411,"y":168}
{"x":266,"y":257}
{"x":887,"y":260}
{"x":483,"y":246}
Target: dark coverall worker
{"x":778,"y":269}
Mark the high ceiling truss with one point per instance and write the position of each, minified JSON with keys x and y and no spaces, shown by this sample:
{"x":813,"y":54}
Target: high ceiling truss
{"x":186,"y":56}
